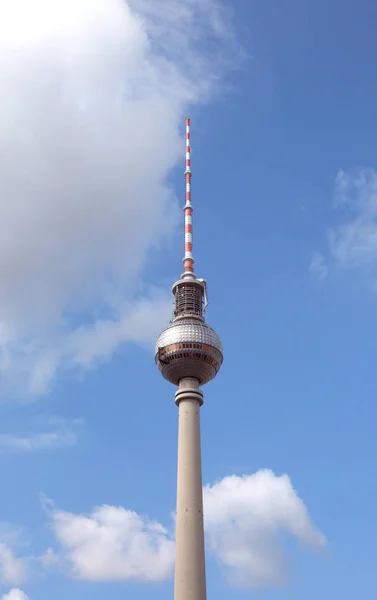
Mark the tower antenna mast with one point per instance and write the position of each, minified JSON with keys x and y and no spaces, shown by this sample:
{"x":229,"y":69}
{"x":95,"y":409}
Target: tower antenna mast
{"x":188,"y":260}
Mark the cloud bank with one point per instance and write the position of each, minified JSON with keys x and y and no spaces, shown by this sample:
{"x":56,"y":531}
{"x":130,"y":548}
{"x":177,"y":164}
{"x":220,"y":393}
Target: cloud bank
{"x":15,"y":594}
{"x":93,"y":98}
{"x":13,"y":570}
{"x":245,"y":518}
{"x":114,"y":544}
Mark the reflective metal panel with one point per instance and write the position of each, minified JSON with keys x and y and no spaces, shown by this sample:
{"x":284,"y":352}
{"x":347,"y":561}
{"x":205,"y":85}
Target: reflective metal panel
{"x":189,"y":330}
{"x":189,"y":348}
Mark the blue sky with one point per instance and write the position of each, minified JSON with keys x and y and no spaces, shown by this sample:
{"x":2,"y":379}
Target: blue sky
{"x":285,"y":195}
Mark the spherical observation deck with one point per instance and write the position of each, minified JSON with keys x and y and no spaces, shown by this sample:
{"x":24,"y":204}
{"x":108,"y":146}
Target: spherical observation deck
{"x":189,"y":348}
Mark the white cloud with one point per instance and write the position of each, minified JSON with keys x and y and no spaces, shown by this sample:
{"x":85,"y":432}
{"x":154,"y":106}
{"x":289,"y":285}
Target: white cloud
{"x":49,"y":558}
{"x":13,"y":570}
{"x":139,"y":321}
{"x":352,"y":244}
{"x":93,"y":93}
{"x":318,"y":266}
{"x":114,"y":544}
{"x":245,"y":520}
{"x":62,"y":433}
{"x":16,"y":594}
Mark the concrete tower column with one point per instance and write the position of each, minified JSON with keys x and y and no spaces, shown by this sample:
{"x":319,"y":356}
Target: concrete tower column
{"x":190,"y":577}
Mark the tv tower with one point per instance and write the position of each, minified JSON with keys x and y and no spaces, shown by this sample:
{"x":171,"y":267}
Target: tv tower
{"x":189,"y":354}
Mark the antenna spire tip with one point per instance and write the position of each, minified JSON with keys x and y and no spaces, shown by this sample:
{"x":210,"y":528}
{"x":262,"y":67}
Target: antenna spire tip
{"x":188,"y":258}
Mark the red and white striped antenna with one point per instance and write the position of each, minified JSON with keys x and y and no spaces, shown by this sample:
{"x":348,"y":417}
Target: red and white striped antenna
{"x":188,"y":260}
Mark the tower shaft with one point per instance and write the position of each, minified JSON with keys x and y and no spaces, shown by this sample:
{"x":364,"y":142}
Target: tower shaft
{"x":190,"y":578}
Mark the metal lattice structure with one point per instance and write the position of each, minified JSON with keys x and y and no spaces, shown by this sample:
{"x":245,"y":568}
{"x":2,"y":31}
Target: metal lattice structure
{"x":188,"y":299}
